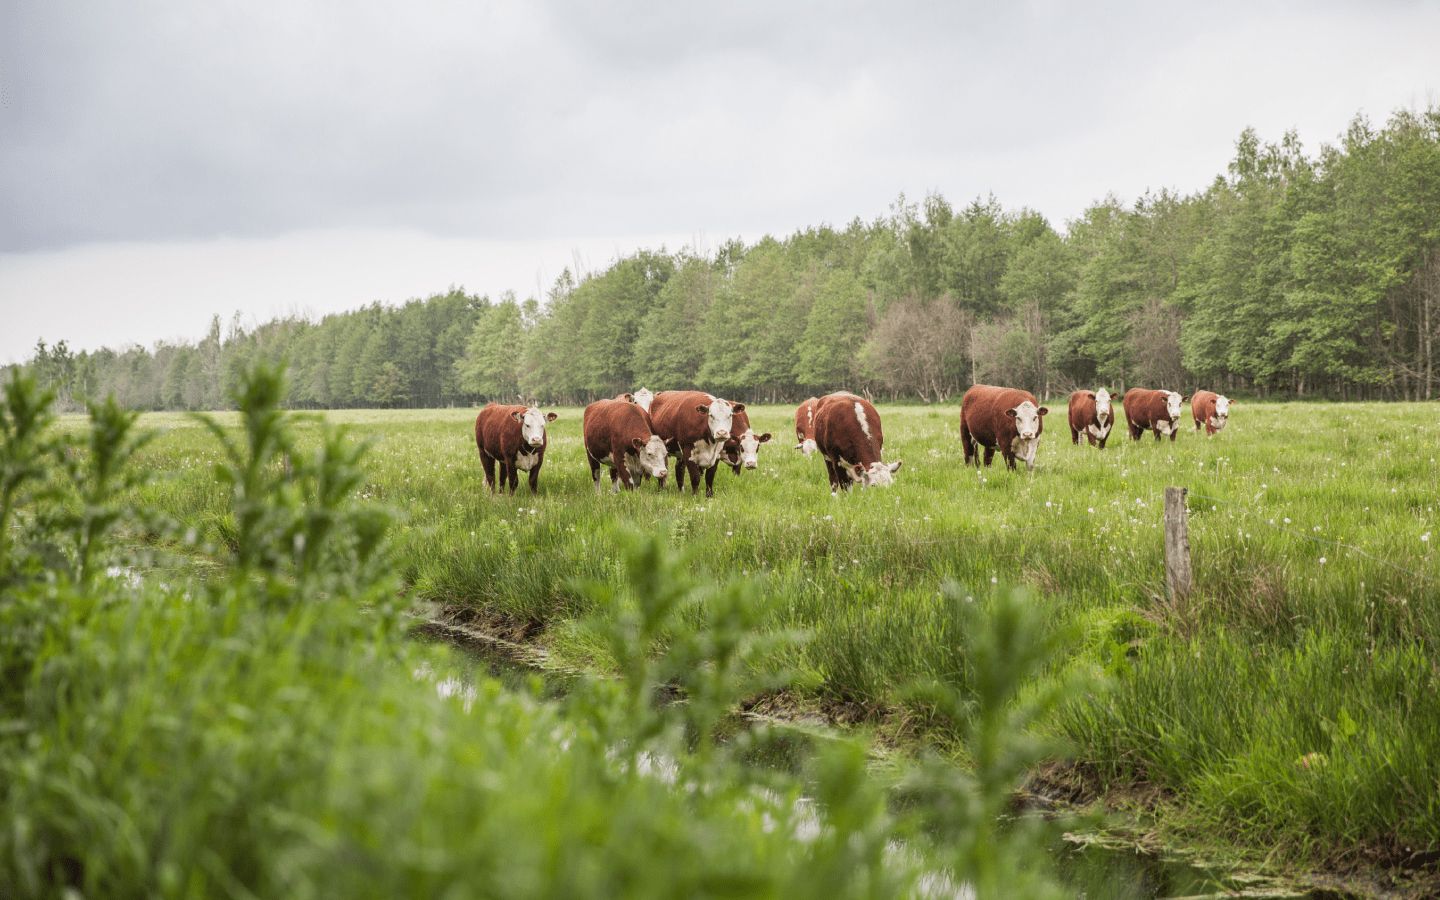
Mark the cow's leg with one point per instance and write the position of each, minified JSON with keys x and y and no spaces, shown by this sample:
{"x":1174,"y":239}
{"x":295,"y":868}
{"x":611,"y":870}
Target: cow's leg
{"x":967,"y":443}
{"x":989,"y":455}
{"x":693,"y":468}
{"x":710,"y":480}
{"x":682,"y":465}
{"x":832,"y":475}
{"x":535,"y":477}
{"x":1075,"y":436}
{"x":512,"y":474}
{"x":1102,"y":441}
{"x":1009,"y":459}
{"x":1197,"y":425}
{"x":488,"y":462}
{"x":621,"y":472}
{"x":594,"y":471}
{"x":615,"y":479}
{"x":1089,"y":436}
{"x":1174,"y":433}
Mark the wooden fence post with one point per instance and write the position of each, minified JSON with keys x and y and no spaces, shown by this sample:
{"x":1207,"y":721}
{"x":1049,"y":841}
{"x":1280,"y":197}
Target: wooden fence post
{"x":1178,"y":578}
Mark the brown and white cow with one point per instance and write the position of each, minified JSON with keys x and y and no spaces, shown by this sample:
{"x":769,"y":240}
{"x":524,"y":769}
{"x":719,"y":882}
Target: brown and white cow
{"x":1151,"y":410}
{"x":618,"y":434}
{"x":695,"y":427}
{"x":805,"y":426}
{"x":512,"y":437}
{"x":848,"y":435}
{"x":1211,"y":410}
{"x":1093,"y":415}
{"x":742,"y":451}
{"x":1005,"y":419}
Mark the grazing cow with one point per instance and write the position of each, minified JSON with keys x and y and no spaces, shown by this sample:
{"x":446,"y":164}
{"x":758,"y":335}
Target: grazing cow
{"x":847,"y":433}
{"x":743,"y":448}
{"x":1093,"y":415}
{"x":1148,"y":410}
{"x":1005,"y":419}
{"x":1210,"y":409}
{"x":618,"y":434}
{"x":514,"y":438}
{"x":805,"y":426}
{"x":695,"y":427}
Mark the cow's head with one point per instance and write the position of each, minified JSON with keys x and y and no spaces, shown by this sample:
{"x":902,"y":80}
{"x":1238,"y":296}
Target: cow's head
{"x":532,"y":425}
{"x":1102,"y":404}
{"x":806,"y":446}
{"x":643,"y":398}
{"x":744,"y":451}
{"x":652,"y":455}
{"x":1027,"y":418}
{"x":1172,"y":405}
{"x":878,"y":474}
{"x":719,"y":414}
{"x":1222,"y":413}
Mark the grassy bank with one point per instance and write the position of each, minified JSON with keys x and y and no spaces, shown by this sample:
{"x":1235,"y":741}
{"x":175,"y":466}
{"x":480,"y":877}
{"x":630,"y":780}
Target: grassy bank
{"x":1291,"y":703}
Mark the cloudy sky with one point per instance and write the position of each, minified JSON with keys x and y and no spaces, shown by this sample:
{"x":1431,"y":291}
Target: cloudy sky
{"x":163,"y":160}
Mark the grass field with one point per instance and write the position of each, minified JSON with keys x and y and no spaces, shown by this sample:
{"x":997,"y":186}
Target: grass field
{"x":1290,"y":704}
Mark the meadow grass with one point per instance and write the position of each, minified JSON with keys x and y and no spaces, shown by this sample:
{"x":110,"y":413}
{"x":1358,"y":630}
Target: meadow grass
{"x":1291,"y":702}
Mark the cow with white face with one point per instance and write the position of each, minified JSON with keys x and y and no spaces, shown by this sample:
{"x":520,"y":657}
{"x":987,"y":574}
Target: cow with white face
{"x":617,"y":433}
{"x":643,"y":398}
{"x":1210,"y":410}
{"x":849,"y":437}
{"x":1151,"y":410}
{"x":695,"y":427}
{"x":512,"y":437}
{"x":742,"y":451}
{"x":1093,"y":415}
{"x":1004,"y":420}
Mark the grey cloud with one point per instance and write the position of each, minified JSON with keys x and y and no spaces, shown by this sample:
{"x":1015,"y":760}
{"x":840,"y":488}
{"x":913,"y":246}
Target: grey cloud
{"x":176,"y":121}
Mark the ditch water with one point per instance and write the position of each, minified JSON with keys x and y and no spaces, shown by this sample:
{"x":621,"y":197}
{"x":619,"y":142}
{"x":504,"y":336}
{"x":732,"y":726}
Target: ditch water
{"x":1094,"y":865}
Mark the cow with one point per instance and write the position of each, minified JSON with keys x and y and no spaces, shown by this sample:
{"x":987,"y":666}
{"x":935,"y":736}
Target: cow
{"x":848,"y":435}
{"x":695,"y":427}
{"x":1093,"y":415}
{"x":743,"y":448}
{"x":514,"y":438}
{"x":1149,"y":410}
{"x":618,"y":434}
{"x":1211,"y":410}
{"x":805,"y":426}
{"x":1006,"y":419}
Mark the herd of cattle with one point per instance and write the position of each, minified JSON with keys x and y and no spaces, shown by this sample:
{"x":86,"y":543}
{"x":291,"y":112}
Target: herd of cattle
{"x":635,"y":435}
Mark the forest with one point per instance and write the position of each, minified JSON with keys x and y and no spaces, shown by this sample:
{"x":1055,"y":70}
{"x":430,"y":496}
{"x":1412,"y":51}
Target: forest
{"x":1293,"y":274}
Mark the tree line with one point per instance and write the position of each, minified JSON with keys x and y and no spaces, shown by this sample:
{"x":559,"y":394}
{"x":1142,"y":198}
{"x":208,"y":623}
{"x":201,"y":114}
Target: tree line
{"x":1292,"y":274}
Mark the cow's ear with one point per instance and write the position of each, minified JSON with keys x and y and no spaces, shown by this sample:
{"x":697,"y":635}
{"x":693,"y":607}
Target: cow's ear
{"x":637,"y":443}
{"x":550,"y":417}
{"x":1183,"y":398}
{"x":859,"y":471}
{"x":518,"y":416}
{"x":737,"y":407}
{"x":703,"y":409}
{"x":1010,"y":413}
{"x":895,"y":466}
{"x":764,"y":437}
{"x":628,"y":397}
{"x":1044,"y":410}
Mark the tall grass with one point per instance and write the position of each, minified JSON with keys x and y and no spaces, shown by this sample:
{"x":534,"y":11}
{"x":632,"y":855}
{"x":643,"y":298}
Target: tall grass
{"x":270,"y":731}
{"x":1291,"y":701}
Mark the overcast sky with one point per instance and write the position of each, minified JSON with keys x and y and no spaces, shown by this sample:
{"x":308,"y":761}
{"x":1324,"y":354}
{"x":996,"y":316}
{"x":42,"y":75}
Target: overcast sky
{"x":162,"y":161}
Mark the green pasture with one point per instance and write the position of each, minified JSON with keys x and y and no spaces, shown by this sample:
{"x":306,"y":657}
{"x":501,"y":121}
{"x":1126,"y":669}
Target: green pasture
{"x":1291,"y":702}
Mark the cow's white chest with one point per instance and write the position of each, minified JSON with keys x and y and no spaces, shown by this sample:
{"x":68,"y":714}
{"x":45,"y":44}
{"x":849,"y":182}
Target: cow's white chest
{"x":526,"y":461}
{"x":1166,"y":428}
{"x":706,"y":454}
{"x":1216,"y":423}
{"x":1098,"y":431}
{"x":1024,"y":449}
